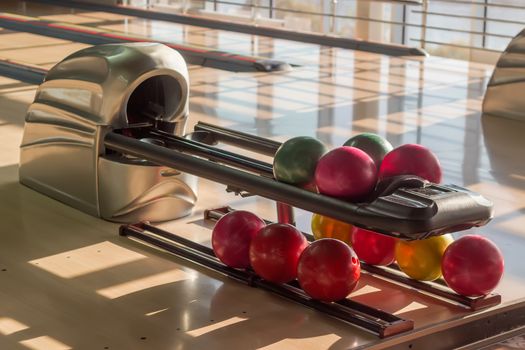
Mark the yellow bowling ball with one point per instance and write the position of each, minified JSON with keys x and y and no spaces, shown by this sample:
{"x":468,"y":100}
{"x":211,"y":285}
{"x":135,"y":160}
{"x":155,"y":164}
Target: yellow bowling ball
{"x":326,"y":227}
{"x":421,"y":259}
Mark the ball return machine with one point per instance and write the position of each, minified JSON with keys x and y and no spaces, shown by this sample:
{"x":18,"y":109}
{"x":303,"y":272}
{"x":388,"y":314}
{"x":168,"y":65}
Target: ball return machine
{"x":106,"y":135}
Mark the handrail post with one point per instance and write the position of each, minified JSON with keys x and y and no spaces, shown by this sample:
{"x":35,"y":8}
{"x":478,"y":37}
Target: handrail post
{"x":332,"y":16}
{"x":485,"y":13}
{"x":424,"y":24}
{"x":403,"y":29}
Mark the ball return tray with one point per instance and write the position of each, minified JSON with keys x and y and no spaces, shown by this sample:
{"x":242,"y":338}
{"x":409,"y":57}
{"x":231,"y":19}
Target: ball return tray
{"x":408,"y":208}
{"x":379,"y":322}
{"x":367,"y":317}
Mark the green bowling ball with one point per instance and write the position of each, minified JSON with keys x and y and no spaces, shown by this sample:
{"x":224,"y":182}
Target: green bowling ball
{"x":295,"y":161}
{"x":373,"y":145}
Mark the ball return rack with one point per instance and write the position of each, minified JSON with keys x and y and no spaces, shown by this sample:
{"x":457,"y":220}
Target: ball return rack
{"x":407,"y":208}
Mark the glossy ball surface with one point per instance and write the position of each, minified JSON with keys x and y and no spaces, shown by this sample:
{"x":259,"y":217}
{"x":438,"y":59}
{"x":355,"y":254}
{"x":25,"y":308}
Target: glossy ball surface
{"x":328,"y":270}
{"x":326,"y":227}
{"x":374,"y":248}
{"x":372,"y":144}
{"x":472,"y":266}
{"x":346,"y":172}
{"x":421,"y":259}
{"x":296,"y":159}
{"x":275,"y":252}
{"x":411,"y":159}
{"x":232,"y":235}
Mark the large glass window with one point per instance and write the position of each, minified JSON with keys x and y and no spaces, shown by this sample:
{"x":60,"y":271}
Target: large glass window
{"x":468,"y":29}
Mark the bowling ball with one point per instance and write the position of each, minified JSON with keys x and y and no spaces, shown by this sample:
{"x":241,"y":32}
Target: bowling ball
{"x":411,"y":159}
{"x":421,"y":259}
{"x":372,"y":144}
{"x":328,"y":270}
{"x":232,"y":235}
{"x":472,"y":266}
{"x":374,"y":248}
{"x":326,"y":227}
{"x":310,"y":187}
{"x":275,"y":252}
{"x":295,"y":161}
{"x":346,"y":172}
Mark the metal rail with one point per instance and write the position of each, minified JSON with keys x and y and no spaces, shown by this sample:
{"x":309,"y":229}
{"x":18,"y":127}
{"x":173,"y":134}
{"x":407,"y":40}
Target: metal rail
{"x":452,"y":45}
{"x":411,"y":22}
{"x":213,"y":154}
{"x":311,"y":13}
{"x":405,"y":23}
{"x":239,"y":139}
{"x":399,"y":212}
{"x":192,"y":55}
{"x":252,"y":183}
{"x":422,"y":8}
{"x":453,"y":15}
{"x":392,"y":49}
{"x":22,"y":72}
{"x":371,"y":319}
{"x":483,"y":3}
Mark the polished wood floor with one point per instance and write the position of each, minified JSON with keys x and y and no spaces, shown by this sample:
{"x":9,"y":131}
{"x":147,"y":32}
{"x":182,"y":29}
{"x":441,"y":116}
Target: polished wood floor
{"x":67,"y":280}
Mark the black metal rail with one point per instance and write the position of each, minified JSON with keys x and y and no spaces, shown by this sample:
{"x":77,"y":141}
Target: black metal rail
{"x":204,"y":150}
{"x":392,"y":273}
{"x":246,"y":141}
{"x":376,"y":321}
{"x":25,"y":73}
{"x":261,"y":186}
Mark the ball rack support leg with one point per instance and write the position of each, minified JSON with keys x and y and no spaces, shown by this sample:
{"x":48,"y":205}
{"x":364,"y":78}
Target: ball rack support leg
{"x":285,"y":213}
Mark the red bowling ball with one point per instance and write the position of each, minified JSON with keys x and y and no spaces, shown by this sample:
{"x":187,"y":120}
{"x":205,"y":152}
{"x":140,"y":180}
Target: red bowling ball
{"x":472,"y":266}
{"x":411,"y":159}
{"x":346,"y":172}
{"x":373,"y":248}
{"x":328,"y":270}
{"x":275,"y":252}
{"x":232,"y":235}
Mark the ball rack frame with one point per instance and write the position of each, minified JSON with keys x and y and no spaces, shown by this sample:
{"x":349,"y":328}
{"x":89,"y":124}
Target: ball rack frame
{"x":376,"y":321}
{"x":248,"y":176}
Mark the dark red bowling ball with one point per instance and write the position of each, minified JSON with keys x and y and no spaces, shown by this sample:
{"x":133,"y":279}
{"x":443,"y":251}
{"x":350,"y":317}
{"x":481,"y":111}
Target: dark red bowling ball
{"x":328,"y":270}
{"x":472,"y":266}
{"x":411,"y":159}
{"x":373,"y":248}
{"x":232,"y":235}
{"x":346,"y":172}
{"x":275,"y":252}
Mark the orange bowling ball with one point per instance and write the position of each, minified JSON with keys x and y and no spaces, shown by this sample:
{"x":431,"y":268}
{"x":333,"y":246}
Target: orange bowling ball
{"x":421,"y":259}
{"x":326,"y":227}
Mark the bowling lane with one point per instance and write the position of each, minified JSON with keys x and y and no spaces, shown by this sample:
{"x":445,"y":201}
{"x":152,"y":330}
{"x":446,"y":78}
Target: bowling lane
{"x":37,"y":50}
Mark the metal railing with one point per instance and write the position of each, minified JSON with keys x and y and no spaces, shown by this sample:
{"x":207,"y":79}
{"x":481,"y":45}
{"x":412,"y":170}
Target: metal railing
{"x":446,"y":26}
